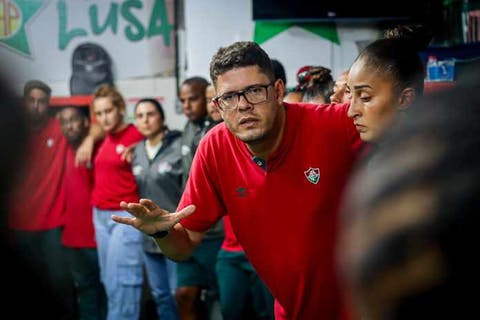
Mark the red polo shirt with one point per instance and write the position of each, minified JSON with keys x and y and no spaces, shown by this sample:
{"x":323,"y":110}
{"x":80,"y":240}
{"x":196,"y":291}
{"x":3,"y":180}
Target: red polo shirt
{"x":230,"y":242}
{"x":39,"y":199}
{"x":78,"y":231}
{"x":285,"y":217}
{"x":114,"y":181}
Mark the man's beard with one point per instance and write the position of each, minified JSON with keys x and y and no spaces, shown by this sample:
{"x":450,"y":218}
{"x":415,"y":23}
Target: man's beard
{"x":37,"y":119}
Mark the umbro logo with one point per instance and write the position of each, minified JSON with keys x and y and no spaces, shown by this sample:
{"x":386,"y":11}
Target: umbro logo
{"x":241,"y":192}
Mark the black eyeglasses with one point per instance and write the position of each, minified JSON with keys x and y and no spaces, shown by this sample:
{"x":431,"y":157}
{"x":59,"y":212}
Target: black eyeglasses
{"x":254,"y":95}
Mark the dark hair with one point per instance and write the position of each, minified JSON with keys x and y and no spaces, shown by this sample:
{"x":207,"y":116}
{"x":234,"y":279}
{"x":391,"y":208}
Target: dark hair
{"x":82,"y":110}
{"x":155,"y":102}
{"x":417,"y":34}
{"x":238,"y":55}
{"x":197,"y":80}
{"x":411,"y":219}
{"x":202,"y":82}
{"x":279,"y":71}
{"x":397,"y":57}
{"x":318,"y":83}
{"x":36,"y":84}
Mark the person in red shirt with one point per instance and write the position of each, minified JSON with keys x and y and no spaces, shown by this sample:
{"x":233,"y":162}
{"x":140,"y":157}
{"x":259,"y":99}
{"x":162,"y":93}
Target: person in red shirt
{"x":119,"y":248}
{"x":242,"y":293}
{"x":279,"y":171}
{"x":44,"y":209}
{"x":37,"y":206}
{"x":78,"y":234}
{"x":25,"y":296}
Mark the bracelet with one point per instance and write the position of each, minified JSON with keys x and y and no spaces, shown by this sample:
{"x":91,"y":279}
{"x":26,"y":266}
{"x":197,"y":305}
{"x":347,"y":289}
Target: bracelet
{"x":160,"y":234}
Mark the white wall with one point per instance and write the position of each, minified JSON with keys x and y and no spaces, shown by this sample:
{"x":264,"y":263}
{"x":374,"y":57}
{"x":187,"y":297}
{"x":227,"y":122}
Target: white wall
{"x":210,"y":24}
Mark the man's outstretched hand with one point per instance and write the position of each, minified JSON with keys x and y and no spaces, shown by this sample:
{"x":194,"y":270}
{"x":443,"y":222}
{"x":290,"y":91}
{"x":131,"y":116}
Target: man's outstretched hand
{"x":150,"y":218}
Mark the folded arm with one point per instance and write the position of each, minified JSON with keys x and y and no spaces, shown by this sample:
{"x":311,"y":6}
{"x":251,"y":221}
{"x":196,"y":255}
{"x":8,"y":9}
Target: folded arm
{"x":83,"y":155}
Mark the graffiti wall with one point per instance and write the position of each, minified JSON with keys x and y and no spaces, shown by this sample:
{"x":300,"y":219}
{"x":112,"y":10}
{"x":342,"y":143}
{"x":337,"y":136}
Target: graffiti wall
{"x":38,"y":37}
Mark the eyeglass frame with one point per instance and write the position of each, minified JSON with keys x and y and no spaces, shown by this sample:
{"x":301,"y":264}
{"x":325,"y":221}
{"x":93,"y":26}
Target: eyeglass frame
{"x":241,"y":93}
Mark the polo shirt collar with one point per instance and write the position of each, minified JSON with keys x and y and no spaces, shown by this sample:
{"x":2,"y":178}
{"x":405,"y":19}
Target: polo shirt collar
{"x":278,"y":155}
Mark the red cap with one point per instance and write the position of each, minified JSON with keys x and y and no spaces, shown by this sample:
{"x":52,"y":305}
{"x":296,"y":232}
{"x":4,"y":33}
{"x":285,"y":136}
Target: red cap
{"x":71,"y":101}
{"x":301,"y":70}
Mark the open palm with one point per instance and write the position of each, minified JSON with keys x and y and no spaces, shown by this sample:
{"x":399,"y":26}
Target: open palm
{"x":149,"y":218}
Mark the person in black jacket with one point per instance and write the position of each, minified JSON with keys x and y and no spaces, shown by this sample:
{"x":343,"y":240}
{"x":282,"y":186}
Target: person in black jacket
{"x":197,"y":283}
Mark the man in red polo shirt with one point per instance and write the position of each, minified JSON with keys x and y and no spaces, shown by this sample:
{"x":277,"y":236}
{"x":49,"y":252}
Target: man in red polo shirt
{"x":37,"y":206}
{"x":278,"y":170}
{"x":37,"y":212}
{"x":78,"y":233}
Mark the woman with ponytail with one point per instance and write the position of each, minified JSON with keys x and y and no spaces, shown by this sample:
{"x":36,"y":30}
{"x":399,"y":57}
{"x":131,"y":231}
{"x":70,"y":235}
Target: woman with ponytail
{"x":386,"y":78}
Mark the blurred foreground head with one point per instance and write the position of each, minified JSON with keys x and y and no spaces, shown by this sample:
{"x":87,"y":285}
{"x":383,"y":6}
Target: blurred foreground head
{"x":14,"y":133}
{"x":411,"y":217}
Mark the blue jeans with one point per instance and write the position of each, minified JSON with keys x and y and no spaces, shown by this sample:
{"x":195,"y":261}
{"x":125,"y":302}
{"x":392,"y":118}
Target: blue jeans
{"x":162,"y":278}
{"x":121,"y":264}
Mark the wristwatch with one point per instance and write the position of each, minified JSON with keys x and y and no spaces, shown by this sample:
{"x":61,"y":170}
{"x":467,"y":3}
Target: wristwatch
{"x":160,"y":234}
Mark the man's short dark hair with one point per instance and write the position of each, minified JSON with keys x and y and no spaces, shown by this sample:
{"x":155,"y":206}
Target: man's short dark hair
{"x":83,"y":111}
{"x":36,"y":84}
{"x":238,"y":55}
{"x":279,"y":71}
{"x":196,"y":80}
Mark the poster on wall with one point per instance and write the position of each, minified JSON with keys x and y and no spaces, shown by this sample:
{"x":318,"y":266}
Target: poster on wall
{"x":75,"y":41}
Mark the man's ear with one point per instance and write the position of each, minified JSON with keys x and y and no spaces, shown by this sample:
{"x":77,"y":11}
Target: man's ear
{"x":279,"y":89}
{"x":406,"y":98}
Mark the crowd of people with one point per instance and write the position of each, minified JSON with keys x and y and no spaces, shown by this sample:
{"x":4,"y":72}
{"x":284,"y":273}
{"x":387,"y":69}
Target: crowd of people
{"x":94,"y":267}
{"x":342,"y":198}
